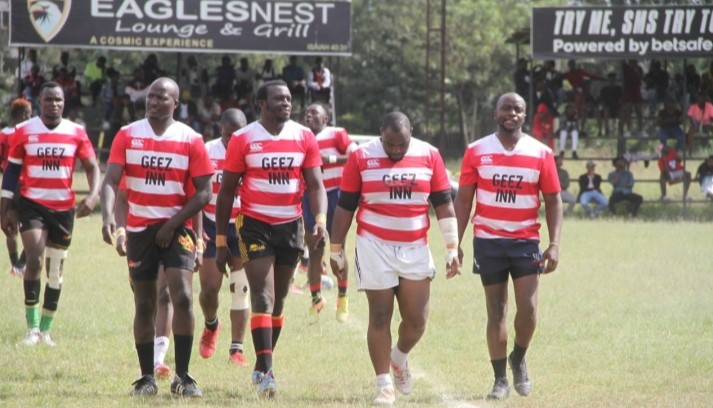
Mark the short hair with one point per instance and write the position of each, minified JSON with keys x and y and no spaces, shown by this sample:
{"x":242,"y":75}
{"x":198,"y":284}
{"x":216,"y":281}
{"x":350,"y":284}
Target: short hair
{"x":396,"y":121}
{"x":323,"y":106}
{"x":50,"y":84}
{"x":234,"y":117}
{"x":18,"y":108}
{"x":261,"y":94}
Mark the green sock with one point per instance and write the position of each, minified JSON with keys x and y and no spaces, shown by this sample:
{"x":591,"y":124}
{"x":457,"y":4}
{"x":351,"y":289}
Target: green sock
{"x":32,"y":315}
{"x":46,"y":323}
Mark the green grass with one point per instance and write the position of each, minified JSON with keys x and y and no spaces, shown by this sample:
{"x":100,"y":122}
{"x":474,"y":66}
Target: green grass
{"x":624,"y":322}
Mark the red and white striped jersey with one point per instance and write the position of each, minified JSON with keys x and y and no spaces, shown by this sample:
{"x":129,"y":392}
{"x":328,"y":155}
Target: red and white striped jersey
{"x":272,"y":169}
{"x":216,"y":154}
{"x":394,"y":195}
{"x":332,"y":141}
{"x":508,"y":186}
{"x":48,"y":158}
{"x":5,"y":136}
{"x":158,"y":170}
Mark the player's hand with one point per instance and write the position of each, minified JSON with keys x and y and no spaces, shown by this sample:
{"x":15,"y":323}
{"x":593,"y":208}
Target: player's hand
{"x":121,"y":243}
{"x":223,"y":257}
{"x":338,"y":261}
{"x":86,"y":206}
{"x":165,"y":235}
{"x":452,"y":262}
{"x":108,"y":231}
{"x":200,"y":248}
{"x":8,"y":222}
{"x":319,"y":235}
{"x":550,"y":259}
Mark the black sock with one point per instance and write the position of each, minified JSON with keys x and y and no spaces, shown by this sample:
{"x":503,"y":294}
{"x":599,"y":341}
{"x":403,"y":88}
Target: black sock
{"x":13,"y":258}
{"x":145,"y":352}
{"x":182,"y":349}
{"x":499,"y":367}
{"x":212,"y":326}
{"x":23,"y":259}
{"x":518,"y":353}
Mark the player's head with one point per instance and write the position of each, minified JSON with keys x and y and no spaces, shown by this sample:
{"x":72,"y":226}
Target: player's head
{"x":20,"y":110}
{"x":510,"y":113}
{"x":316,"y":117}
{"x":274,"y":101}
{"x":51,"y":102}
{"x":395,"y":135}
{"x":231,"y":121}
{"x":162,"y":99}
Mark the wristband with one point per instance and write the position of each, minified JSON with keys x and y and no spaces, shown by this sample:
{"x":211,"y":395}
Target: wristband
{"x":332,"y":159}
{"x":449,"y":231}
{"x":220,"y":241}
{"x":335,"y":247}
{"x":120,"y":232}
{"x":554,"y":244}
{"x":320,"y":218}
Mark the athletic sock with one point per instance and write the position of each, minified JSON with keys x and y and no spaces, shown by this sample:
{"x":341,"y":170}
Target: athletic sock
{"x":384,"y":380}
{"x":236,"y":347}
{"x":49,"y":308}
{"x":316,"y":291}
{"x":160,"y":348}
{"x":145,"y":353}
{"x":499,"y":367}
{"x":342,"y":287}
{"x":212,"y":326}
{"x":182,"y":349}
{"x":261,"y":330}
{"x":277,"y":322}
{"x":518,"y":353}
{"x":13,"y":258}
{"x":32,"y":302}
{"x":32,"y":316}
{"x":399,"y":357}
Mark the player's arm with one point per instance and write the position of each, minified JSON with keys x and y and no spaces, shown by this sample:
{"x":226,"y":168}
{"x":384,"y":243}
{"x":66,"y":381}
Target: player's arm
{"x":553,"y":217}
{"x":10,"y":181}
{"x":223,"y":209}
{"x":192,"y":207}
{"x":107,"y":192}
{"x":200,"y":242}
{"x":448,"y":225}
{"x":121,"y":212}
{"x":317,"y":196}
{"x":91,"y":169}
{"x":342,"y":221}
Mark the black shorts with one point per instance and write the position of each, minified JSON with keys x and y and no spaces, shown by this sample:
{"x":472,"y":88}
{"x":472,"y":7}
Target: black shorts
{"x":58,"y":224}
{"x":496,"y":259}
{"x":332,"y":200}
{"x":231,"y":238}
{"x":259,"y":239}
{"x":144,"y":256}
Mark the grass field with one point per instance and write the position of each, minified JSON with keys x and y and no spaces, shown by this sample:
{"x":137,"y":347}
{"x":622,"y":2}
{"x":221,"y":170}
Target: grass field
{"x":625,"y":322}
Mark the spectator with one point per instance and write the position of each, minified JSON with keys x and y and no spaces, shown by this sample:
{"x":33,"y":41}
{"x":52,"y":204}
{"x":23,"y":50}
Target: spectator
{"x":542,"y":126}
{"x":151,"y":69}
{"x":707,"y":82}
{"x":64,"y":63}
{"x":294,"y":76}
{"x":137,"y":88}
{"x":669,"y":121}
{"x":111,"y":89}
{"x":693,"y":82}
{"x":245,"y":81}
{"x":543,"y":95}
{"x":576,"y":76}
{"x":570,"y":127}
{"x":32,"y":84}
{"x":209,"y":113}
{"x":319,"y":81}
{"x":187,"y":111}
{"x":700,"y":115}
{"x":553,"y":79}
{"x":267,"y":72}
{"x":673,"y":172}
{"x":631,"y":98}
{"x":657,"y":81}
{"x":563,"y":176}
{"x":30,"y":60}
{"x":70,"y":88}
{"x":193,"y":78}
{"x":590,"y":191}
{"x":522,"y":79}
{"x":704,"y":175}
{"x":622,"y":181}
{"x":610,"y":103}
{"x":95,"y":76}
{"x":224,"y":78}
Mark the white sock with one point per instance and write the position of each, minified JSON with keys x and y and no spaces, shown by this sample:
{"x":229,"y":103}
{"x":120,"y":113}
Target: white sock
{"x":160,"y":348}
{"x":398,"y":357}
{"x":384,"y":380}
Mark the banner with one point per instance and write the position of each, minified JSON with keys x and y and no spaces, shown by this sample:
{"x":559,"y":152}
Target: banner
{"x":245,"y":26}
{"x":632,"y":32}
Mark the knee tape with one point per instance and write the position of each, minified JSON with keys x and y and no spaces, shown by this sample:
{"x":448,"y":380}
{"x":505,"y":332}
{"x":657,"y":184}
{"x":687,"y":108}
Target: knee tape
{"x":239,"y":290}
{"x":55,"y":262}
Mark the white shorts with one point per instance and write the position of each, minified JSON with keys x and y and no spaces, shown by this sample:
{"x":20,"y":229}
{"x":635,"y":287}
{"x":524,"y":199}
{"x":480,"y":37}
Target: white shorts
{"x":379,"y":265}
{"x":674,"y":176}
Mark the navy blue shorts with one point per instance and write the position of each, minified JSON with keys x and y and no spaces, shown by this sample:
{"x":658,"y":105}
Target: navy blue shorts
{"x":496,"y":259}
{"x":332,"y":199}
{"x":231,"y":239}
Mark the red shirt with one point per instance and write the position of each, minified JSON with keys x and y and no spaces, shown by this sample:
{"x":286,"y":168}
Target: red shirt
{"x":47,"y":158}
{"x":670,"y":161}
{"x":216,"y":154}
{"x":508,"y":186}
{"x":271,"y":166}
{"x":158,"y":170}
{"x":333,"y":141}
{"x":5,"y":136}
{"x":394,"y":195}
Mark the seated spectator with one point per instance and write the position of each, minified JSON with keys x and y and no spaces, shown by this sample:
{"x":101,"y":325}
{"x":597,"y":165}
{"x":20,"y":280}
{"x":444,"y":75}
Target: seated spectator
{"x":673,"y":172}
{"x":209,"y":112}
{"x":570,"y":127}
{"x":224,"y":78}
{"x":704,"y":175}
{"x":64,"y":63}
{"x":700,"y":115}
{"x":267,"y":72}
{"x":669,"y":121}
{"x":95,"y":76}
{"x":542,"y":126}
{"x":319,"y":81}
{"x":245,"y":80}
{"x":622,"y":181}
{"x":610,"y":104}
{"x":137,"y":87}
{"x":563,"y":176}
{"x":294,"y":76}
{"x":590,"y":191}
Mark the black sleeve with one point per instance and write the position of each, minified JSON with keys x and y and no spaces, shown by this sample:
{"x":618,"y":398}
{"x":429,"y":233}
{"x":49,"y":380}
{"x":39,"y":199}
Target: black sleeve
{"x":349,"y":201}
{"x":438,"y":198}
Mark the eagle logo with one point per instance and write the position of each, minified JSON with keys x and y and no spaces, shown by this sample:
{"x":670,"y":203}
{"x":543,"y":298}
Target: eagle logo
{"x":48,"y":16}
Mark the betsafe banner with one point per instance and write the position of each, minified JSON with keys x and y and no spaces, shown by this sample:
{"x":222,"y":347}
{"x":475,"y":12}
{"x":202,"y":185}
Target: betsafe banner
{"x":631,"y":32}
{"x":256,"y":26}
